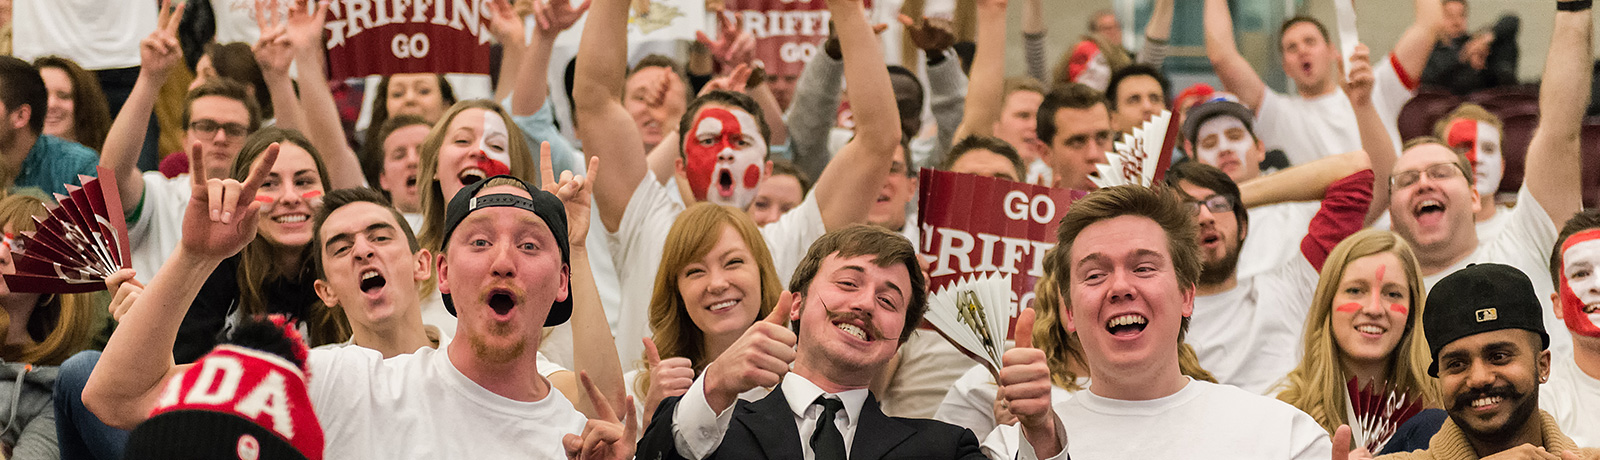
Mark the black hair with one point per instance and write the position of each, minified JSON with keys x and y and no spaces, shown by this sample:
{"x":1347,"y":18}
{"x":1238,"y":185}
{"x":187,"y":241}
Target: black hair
{"x":1210,"y":178}
{"x":987,"y":143}
{"x":1132,"y":70}
{"x":740,"y":101}
{"x":1076,"y":96}
{"x":20,"y":84}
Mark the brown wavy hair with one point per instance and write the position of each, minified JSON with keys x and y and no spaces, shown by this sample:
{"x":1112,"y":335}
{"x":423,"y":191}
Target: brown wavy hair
{"x":91,"y":116}
{"x":1317,"y":385}
{"x":60,"y":323}
{"x":257,"y":264}
{"x":695,"y":232}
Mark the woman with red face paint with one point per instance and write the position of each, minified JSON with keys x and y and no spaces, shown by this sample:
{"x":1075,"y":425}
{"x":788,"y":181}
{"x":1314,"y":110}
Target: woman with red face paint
{"x":1364,"y":324}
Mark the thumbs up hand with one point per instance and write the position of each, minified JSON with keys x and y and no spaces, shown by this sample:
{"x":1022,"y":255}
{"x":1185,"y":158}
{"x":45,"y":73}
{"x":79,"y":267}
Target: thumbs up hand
{"x":668,"y":377}
{"x":760,"y":358}
{"x":1025,"y":387}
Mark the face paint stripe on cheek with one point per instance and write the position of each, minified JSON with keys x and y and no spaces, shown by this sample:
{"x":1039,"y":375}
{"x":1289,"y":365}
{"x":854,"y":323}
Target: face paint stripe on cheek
{"x":752,"y":176}
{"x":1351,"y":307}
{"x":1572,"y":306}
{"x":1464,"y":133}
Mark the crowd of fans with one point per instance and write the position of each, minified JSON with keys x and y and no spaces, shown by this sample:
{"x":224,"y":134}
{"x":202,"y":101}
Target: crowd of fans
{"x":719,"y":264}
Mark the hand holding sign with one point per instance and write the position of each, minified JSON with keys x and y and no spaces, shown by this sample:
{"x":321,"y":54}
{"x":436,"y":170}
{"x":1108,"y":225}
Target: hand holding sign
{"x":760,"y":358}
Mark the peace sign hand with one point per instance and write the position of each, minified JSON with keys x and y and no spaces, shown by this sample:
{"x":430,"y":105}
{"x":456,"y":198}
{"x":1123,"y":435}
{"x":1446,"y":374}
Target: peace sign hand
{"x":557,"y":15}
{"x":221,"y":217}
{"x":574,"y":192}
{"x":159,"y":51}
{"x":606,"y":437}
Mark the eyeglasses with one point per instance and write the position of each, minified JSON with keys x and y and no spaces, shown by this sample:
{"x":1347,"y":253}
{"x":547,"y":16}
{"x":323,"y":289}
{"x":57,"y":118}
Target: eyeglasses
{"x":1437,"y":171}
{"x":209,"y":128}
{"x":1217,"y":204}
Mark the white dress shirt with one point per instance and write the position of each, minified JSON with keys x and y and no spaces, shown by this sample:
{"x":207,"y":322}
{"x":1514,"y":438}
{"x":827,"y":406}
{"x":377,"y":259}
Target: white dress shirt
{"x":697,"y":431}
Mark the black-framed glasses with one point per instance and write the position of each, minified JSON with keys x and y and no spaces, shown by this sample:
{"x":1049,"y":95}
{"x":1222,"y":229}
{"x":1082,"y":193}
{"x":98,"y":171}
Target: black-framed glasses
{"x":1436,"y":171}
{"x":209,"y":128}
{"x":1217,"y":204}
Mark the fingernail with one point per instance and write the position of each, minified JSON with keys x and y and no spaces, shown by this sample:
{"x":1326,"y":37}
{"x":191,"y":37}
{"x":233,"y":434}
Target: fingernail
{"x":216,"y":215}
{"x":227,"y":217}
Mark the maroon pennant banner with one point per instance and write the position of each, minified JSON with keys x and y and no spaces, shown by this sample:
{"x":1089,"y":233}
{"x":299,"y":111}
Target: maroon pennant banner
{"x":973,"y":224}
{"x":386,"y":37}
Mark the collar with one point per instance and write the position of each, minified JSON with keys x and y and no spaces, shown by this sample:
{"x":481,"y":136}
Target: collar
{"x":801,"y":393}
{"x":1451,"y":443}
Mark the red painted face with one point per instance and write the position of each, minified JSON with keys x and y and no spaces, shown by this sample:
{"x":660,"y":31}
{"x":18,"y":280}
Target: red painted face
{"x":1580,"y":285}
{"x":1480,"y":143}
{"x":723,"y":156}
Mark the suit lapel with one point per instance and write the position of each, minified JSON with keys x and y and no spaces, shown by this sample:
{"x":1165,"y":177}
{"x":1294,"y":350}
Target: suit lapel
{"x":876,"y":433}
{"x":771,"y":423}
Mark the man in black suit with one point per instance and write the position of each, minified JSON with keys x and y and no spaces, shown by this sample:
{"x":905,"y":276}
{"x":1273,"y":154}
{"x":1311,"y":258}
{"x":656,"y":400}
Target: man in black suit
{"x":868,"y":295}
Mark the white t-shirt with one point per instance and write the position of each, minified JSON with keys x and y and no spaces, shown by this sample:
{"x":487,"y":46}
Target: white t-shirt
{"x":235,"y":21}
{"x":1524,"y":243}
{"x":1274,"y":236}
{"x":160,"y":226}
{"x":639,"y":242}
{"x":97,"y":34}
{"x":1308,"y":129}
{"x":419,"y":406}
{"x":1250,"y":336}
{"x":970,"y":402}
{"x":1202,"y":421}
{"x":1488,"y":229}
{"x":1573,"y":398}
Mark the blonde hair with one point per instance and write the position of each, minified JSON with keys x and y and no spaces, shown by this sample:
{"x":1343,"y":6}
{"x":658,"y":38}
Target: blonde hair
{"x":433,"y":199}
{"x":59,"y":325}
{"x":694,"y":233}
{"x":1317,"y":385}
{"x":1466,"y":110}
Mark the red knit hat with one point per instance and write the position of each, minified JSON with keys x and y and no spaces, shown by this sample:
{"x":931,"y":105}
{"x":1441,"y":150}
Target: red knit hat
{"x":235,"y":403}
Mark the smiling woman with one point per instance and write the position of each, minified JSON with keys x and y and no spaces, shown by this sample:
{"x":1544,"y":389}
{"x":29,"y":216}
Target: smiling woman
{"x":471,"y":142}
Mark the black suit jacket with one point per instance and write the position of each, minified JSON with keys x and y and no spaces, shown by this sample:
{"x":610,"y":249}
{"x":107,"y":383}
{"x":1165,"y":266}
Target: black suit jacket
{"x":765,"y":429}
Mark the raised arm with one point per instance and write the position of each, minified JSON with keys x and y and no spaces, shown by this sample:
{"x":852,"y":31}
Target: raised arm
{"x":1033,"y":33}
{"x":1231,"y":67}
{"x":1305,"y":182}
{"x":1416,"y":43}
{"x":814,"y":108}
{"x":157,"y":54}
{"x":594,"y":350}
{"x":849,"y":184}
{"x":1157,"y":34}
{"x":1374,"y":134}
{"x":735,"y":46}
{"x":128,"y":379}
{"x":604,"y":125}
{"x":1552,"y":173}
{"x":506,"y":25}
{"x":274,"y":53}
{"x":986,"y":90}
{"x":323,"y":127}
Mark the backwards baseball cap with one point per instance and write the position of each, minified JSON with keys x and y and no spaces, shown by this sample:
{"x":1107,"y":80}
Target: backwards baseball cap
{"x":1224,"y":104}
{"x":1477,"y":299}
{"x":543,"y":204}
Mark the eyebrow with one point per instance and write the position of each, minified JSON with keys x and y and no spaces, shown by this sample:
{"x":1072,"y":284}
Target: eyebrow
{"x":863,"y":270}
{"x":339,"y":237}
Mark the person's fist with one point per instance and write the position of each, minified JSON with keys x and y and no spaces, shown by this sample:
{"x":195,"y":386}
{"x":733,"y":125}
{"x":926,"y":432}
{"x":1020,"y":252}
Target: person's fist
{"x":1025,"y":377}
{"x":760,"y":358}
{"x":668,"y":378}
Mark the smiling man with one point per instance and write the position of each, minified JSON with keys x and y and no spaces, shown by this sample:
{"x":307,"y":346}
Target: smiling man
{"x":1572,"y":396}
{"x":1490,"y":355}
{"x":859,"y":294}
{"x":1131,"y":268}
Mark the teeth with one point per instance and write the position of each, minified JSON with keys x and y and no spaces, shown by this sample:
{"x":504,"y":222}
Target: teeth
{"x":1125,"y":320}
{"x":1370,"y":329}
{"x":472,"y":172}
{"x":723,"y":305}
{"x":292,"y":218}
{"x":1480,"y":402}
{"x":369,"y":274}
{"x":853,"y":330}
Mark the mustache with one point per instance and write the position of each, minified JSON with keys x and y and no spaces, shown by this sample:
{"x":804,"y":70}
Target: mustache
{"x":865,"y":318}
{"x":1464,"y":400}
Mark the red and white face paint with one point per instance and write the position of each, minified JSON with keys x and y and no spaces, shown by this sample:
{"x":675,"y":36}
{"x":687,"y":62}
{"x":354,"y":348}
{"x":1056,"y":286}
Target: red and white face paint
{"x":495,"y":144}
{"x":723,"y":156}
{"x":1480,"y":142}
{"x":1580,"y":285}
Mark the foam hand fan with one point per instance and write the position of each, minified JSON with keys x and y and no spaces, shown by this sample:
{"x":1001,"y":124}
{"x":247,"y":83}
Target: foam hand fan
{"x":1376,"y":412}
{"x":82,"y":240}
{"x":974,"y":313}
{"x":1140,"y":158}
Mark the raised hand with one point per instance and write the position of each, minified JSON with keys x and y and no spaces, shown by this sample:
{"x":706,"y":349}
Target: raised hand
{"x":1358,"y":84}
{"x":760,"y":358}
{"x":734,"y":81}
{"x":733,"y":45}
{"x":160,"y":50}
{"x":305,"y":30}
{"x":125,"y":292}
{"x":1025,"y":387}
{"x":605,"y":438}
{"x":1343,"y":449}
{"x":221,"y":217}
{"x":574,"y":192}
{"x":273,"y":51}
{"x":557,"y":15}
{"x":668,"y":377}
{"x":505,"y":24}
{"x":930,"y":34}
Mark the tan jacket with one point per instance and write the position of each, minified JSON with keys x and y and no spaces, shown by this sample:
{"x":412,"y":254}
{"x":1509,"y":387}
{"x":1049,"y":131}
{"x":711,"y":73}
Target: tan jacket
{"x":1451,"y":444}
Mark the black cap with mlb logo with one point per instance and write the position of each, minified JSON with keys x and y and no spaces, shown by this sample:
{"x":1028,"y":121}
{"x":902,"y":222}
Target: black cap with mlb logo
{"x":1477,"y":299}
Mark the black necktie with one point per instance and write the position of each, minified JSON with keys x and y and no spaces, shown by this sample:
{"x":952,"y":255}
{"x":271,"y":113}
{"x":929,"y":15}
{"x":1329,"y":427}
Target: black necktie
{"x":827,"y":443}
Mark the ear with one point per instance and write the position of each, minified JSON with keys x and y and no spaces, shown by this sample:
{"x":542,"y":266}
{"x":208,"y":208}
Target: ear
{"x":1260,"y":152}
{"x":682,"y":176}
{"x":1188,"y":147}
{"x":1477,"y":201}
{"x":1544,"y":366}
{"x":1066,"y":316}
{"x":563,"y":292}
{"x":325,"y":292}
{"x":423,"y":269}
{"x":1555,"y":299}
{"x":444,"y":274}
{"x":797,"y":301}
{"x":20,"y":116}
{"x":1188,"y":301}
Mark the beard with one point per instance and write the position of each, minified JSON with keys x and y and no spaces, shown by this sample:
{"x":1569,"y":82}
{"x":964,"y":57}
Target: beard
{"x":1218,"y":271}
{"x":1521,"y":414}
{"x":497,"y":352}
